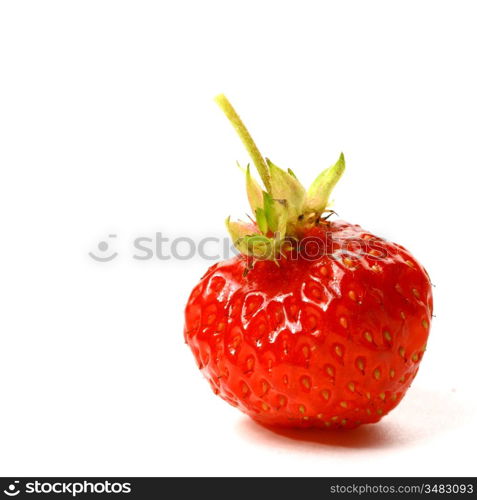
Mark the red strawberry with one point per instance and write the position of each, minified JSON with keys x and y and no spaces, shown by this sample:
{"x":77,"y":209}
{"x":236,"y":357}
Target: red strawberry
{"x":316,"y":323}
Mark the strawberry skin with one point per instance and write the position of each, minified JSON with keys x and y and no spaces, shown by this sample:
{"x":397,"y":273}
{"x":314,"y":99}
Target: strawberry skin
{"x":329,"y":341}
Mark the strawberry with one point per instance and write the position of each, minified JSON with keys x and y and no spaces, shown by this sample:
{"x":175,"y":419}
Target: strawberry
{"x":315,"y":323}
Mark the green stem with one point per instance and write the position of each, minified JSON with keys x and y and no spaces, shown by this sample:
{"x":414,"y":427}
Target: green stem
{"x":246,"y":138}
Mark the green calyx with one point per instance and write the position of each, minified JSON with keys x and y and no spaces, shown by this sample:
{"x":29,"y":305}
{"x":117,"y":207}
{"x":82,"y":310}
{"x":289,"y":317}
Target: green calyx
{"x":284,"y":209}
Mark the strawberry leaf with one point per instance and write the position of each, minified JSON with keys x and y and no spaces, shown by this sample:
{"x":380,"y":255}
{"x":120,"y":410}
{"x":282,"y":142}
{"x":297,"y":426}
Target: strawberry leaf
{"x":259,"y":246}
{"x":281,"y":210}
{"x":286,"y":186}
{"x":284,"y":211}
{"x":261,"y":220}
{"x":269,"y":210}
{"x":290,"y":171}
{"x":320,"y":190}
{"x":254,"y":191}
{"x":239,"y":229}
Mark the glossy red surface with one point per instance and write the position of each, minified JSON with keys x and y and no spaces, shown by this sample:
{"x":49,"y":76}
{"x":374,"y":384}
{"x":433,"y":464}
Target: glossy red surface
{"x":332,"y":340}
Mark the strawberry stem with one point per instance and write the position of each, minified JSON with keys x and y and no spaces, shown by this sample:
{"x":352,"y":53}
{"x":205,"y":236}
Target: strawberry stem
{"x":246,"y":138}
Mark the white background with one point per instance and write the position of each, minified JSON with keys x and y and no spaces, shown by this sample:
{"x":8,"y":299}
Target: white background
{"x":107,"y":125}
